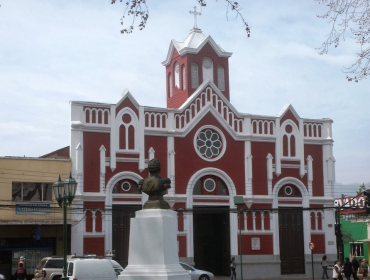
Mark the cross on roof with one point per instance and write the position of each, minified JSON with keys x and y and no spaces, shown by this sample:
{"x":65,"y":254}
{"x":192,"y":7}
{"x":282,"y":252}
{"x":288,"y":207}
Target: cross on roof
{"x":195,"y":13}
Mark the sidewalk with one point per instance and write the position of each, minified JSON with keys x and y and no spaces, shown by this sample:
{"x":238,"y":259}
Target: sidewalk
{"x":291,"y":277}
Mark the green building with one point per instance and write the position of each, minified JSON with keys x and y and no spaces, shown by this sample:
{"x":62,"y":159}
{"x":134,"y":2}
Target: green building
{"x":355,"y":238}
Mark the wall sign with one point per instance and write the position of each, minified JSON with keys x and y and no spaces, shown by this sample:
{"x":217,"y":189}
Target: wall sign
{"x":24,"y":209}
{"x":256,"y":244}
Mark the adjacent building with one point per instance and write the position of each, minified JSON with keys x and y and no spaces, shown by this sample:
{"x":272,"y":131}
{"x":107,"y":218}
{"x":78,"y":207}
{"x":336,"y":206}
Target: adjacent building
{"x":31,"y":222}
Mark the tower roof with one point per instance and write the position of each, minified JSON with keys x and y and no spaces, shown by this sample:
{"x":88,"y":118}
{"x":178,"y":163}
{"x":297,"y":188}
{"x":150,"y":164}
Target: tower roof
{"x":193,"y":44}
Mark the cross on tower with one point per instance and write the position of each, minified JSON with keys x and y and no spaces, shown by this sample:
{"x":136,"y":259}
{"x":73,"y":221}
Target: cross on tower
{"x":195,"y":13}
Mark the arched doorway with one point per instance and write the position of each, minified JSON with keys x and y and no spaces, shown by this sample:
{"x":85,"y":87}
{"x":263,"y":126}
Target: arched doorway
{"x":213,"y":232}
{"x":290,"y":197}
{"x":124,"y":198}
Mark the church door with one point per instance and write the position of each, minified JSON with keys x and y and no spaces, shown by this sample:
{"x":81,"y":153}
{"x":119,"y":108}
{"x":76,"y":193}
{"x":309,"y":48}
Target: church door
{"x":121,"y":215}
{"x":291,"y":241}
{"x":212,"y":239}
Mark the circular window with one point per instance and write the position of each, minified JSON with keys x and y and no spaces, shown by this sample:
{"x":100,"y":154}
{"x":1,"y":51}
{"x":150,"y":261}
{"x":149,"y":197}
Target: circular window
{"x":209,"y":143}
{"x":209,"y":185}
{"x":288,"y":190}
{"x":126,"y":118}
{"x":207,"y":63}
{"x":126,"y":186}
{"x":288,"y":128}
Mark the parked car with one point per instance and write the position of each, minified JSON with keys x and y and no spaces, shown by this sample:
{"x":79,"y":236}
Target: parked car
{"x":197,"y":274}
{"x":90,"y":269}
{"x":117,"y":267}
{"x":49,"y":268}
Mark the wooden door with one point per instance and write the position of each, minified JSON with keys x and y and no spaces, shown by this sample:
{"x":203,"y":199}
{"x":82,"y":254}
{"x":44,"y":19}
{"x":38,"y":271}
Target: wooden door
{"x":121,"y":215}
{"x":291,"y":241}
{"x":212,"y":240}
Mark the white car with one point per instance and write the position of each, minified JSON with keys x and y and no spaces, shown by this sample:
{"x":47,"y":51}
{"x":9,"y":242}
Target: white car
{"x":117,"y":267}
{"x":91,"y":269}
{"x":197,"y":274}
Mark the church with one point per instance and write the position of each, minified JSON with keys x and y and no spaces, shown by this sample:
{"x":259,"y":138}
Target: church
{"x":282,"y":166}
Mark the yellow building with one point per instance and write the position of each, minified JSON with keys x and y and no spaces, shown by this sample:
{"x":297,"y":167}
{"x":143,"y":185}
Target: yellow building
{"x":31,"y":222}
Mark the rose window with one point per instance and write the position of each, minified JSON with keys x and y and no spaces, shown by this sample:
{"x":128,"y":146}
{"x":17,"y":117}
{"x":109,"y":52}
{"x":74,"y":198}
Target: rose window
{"x":209,"y":143}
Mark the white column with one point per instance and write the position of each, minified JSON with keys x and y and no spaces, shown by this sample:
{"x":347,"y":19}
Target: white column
{"x":248,"y":169}
{"x":113,"y":137}
{"x":300,"y":147}
{"x":254,"y":220}
{"x":93,"y":220}
{"x":141,"y":140}
{"x":102,"y":151}
{"x":278,"y":147}
{"x":245,"y":221}
{"x":309,"y":174}
{"x":79,"y":169}
{"x":269,"y":174}
{"x":262,"y":221}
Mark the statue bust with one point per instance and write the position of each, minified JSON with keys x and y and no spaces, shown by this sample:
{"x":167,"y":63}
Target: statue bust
{"x":155,"y":186}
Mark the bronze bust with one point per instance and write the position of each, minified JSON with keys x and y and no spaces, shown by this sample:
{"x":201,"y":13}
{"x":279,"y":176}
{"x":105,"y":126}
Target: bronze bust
{"x":155,"y":186}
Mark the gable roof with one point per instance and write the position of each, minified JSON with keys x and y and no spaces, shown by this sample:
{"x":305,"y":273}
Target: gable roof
{"x":285,"y":109}
{"x":193,"y":44}
{"x":126,"y":94}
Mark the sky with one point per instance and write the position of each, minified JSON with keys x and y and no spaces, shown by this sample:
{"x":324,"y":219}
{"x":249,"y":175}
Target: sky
{"x":54,"y":52}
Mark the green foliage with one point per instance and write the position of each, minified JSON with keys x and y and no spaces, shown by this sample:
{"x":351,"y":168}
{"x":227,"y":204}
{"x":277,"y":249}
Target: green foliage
{"x":361,"y":189}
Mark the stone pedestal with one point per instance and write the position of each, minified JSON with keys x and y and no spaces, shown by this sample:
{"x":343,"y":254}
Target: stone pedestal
{"x":153,"y":252}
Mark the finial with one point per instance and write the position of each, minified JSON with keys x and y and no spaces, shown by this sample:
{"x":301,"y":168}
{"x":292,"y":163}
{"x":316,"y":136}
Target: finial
{"x":195,"y":13}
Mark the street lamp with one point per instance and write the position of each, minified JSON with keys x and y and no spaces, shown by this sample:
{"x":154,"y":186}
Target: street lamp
{"x":238,"y":201}
{"x":64,"y":193}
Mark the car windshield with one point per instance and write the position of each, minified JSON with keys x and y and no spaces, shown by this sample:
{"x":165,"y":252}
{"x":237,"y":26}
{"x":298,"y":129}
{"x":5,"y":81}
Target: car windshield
{"x":186,"y":267}
{"x":115,"y":264}
{"x":54,"y":263}
{"x":41,"y":264}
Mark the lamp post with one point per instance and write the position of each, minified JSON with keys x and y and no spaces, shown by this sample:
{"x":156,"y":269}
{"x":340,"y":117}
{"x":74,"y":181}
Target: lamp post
{"x":64,"y":193}
{"x":238,"y":201}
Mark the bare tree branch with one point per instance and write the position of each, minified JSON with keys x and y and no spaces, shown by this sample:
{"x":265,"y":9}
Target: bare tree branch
{"x":139,"y":9}
{"x":235,"y":7}
{"x":349,"y":16}
{"x":134,"y":8}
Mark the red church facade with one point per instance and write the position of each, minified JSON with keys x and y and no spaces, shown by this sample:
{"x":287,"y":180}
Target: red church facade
{"x":211,"y":152}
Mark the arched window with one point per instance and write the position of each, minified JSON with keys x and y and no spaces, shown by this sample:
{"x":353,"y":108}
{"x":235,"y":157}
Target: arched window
{"x":183,"y":77}
{"x":170,"y":84}
{"x":126,"y":135}
{"x":289,"y":141}
{"x":210,"y":185}
{"x":194,"y":75}
{"x":126,"y":186}
{"x":177,"y":75}
{"x":221,"y":77}
{"x":207,"y":68}
{"x":313,"y":221}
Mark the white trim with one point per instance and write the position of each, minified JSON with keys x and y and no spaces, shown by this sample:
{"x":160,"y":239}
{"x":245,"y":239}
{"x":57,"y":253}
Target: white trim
{"x":223,"y":142}
{"x":188,"y":223}
{"x":305,"y":203}
{"x":214,"y":184}
{"x":108,"y":203}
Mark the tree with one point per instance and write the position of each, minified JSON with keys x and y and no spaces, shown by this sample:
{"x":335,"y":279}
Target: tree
{"x":139,"y":9}
{"x":349,"y":16}
{"x":361,"y":189}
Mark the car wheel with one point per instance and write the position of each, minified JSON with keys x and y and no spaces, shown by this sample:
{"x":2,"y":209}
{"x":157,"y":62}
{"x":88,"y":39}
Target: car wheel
{"x":203,"y":277}
{"x":57,"y":277}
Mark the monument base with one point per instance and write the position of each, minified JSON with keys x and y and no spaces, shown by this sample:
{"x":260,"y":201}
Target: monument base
{"x":153,"y":252}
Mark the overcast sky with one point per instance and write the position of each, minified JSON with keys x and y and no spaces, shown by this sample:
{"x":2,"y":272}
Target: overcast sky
{"x":52,"y":52}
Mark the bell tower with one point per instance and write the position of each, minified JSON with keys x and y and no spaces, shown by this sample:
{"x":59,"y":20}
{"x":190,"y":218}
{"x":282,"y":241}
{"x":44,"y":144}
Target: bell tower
{"x":190,"y":63}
